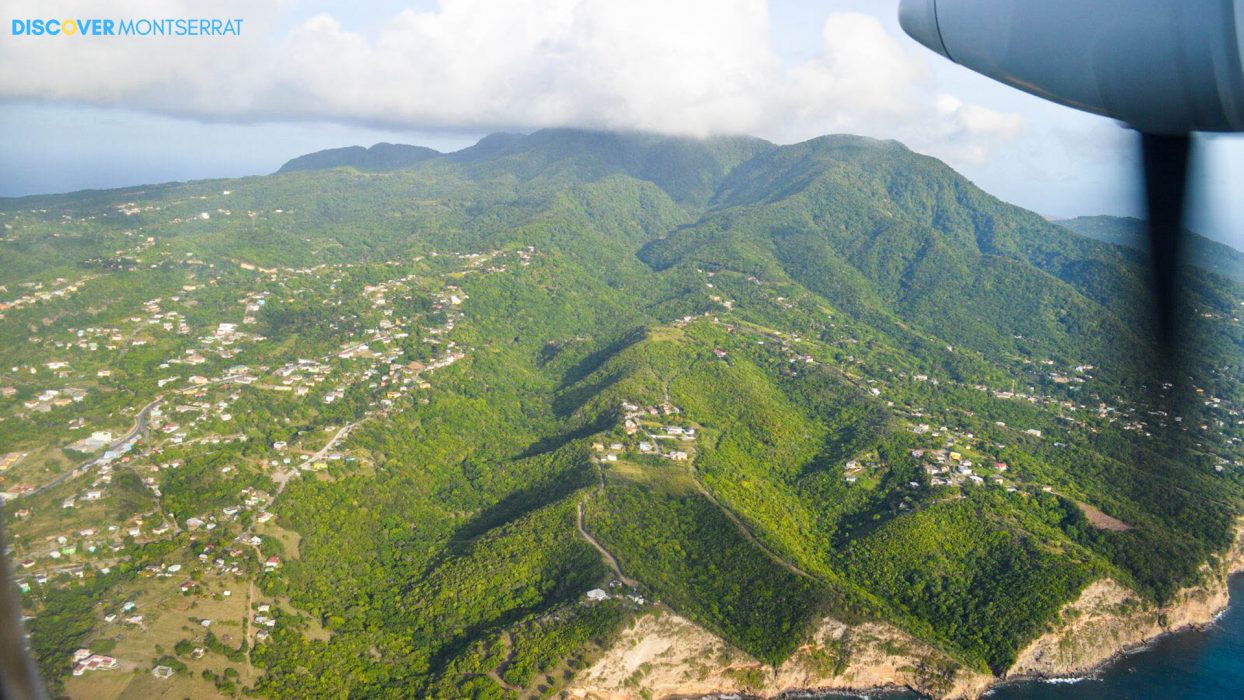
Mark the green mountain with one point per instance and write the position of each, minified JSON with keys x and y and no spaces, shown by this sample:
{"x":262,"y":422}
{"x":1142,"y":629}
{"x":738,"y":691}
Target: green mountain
{"x":1131,"y":233}
{"x":774,"y":383}
{"x":378,"y":158}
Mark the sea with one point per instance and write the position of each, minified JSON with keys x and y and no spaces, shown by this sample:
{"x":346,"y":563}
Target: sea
{"x":1200,"y":664}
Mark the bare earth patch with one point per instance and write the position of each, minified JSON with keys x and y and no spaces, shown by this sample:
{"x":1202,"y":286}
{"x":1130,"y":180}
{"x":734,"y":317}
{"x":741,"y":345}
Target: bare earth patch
{"x":663,"y":655}
{"x":1101,"y":521}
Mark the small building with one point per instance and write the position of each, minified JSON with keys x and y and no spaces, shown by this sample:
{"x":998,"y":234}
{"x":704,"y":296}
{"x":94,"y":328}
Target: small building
{"x":596,"y":595}
{"x":162,"y":672}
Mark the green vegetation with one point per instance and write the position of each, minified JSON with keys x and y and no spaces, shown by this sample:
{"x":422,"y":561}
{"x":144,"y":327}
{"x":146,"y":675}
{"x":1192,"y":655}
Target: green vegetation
{"x":832,"y":378}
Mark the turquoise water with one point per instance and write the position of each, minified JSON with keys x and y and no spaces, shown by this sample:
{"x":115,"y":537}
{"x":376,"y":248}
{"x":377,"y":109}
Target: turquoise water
{"x":1193,"y":665}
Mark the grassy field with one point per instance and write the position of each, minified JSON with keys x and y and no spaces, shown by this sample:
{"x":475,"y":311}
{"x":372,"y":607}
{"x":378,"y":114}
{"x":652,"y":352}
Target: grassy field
{"x":169,"y":617}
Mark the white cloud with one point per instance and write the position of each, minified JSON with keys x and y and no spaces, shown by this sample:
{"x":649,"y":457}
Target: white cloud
{"x":693,"y":67}
{"x":971,"y":130}
{"x":863,"y":73}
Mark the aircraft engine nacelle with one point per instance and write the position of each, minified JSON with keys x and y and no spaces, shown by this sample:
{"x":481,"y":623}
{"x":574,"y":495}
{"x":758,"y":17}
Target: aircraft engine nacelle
{"x":1161,"y":66}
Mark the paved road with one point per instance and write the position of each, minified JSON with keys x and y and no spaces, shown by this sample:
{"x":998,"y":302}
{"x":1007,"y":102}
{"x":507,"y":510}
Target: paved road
{"x":282,"y":478}
{"x":140,"y":424}
{"x":341,"y":435}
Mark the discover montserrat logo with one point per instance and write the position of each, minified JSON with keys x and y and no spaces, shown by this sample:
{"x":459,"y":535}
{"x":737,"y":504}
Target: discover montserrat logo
{"x":96,"y":27}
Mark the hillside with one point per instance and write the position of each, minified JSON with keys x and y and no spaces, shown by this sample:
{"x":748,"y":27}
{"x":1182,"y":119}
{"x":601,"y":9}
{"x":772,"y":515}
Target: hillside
{"x":378,"y":158}
{"x":756,"y":386}
{"x":1130,"y":233}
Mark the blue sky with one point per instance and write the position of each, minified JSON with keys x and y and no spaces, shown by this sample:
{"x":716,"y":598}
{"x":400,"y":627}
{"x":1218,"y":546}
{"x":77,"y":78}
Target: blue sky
{"x":312,"y":75}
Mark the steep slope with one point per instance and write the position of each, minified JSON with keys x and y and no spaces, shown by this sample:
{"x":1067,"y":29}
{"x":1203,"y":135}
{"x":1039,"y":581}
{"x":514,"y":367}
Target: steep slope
{"x":884,"y":231}
{"x":1130,"y":233}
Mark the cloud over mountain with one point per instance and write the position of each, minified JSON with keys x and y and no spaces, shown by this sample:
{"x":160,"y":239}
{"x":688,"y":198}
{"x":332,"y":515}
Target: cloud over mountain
{"x":693,"y":67}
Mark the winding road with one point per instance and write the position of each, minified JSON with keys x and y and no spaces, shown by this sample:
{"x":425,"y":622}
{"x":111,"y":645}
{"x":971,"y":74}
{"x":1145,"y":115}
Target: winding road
{"x":604,"y":553}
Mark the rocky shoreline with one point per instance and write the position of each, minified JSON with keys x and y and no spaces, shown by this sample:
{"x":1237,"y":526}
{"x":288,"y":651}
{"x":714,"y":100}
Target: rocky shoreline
{"x":663,"y":655}
{"x":1109,"y":621}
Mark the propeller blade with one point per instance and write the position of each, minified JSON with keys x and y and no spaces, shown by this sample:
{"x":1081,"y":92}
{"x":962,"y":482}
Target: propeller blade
{"x":1166,"y":184}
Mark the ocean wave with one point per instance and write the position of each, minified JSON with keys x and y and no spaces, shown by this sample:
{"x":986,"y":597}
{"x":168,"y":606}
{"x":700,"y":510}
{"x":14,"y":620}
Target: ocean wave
{"x":1069,"y":680}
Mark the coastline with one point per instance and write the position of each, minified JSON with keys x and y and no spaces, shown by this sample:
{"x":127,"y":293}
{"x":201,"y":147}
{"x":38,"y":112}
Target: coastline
{"x":1092,"y":672}
{"x":665,"y":656}
{"x":1108,"y":621}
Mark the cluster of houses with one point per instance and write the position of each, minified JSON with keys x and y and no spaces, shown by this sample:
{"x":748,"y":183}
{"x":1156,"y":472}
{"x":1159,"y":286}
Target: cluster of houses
{"x":49,"y":399}
{"x":649,"y":433}
{"x":112,"y":338}
{"x":378,"y":293}
{"x":221,"y":561}
{"x":195,"y":410}
{"x":300,"y":376}
{"x":481,"y":261}
{"x":225,"y":341}
{"x":168,"y":321}
{"x":64,"y":549}
{"x":176,"y":422}
{"x":947,"y":467}
{"x":388,"y":372}
{"x":263,"y":617}
{"x":37,"y":293}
